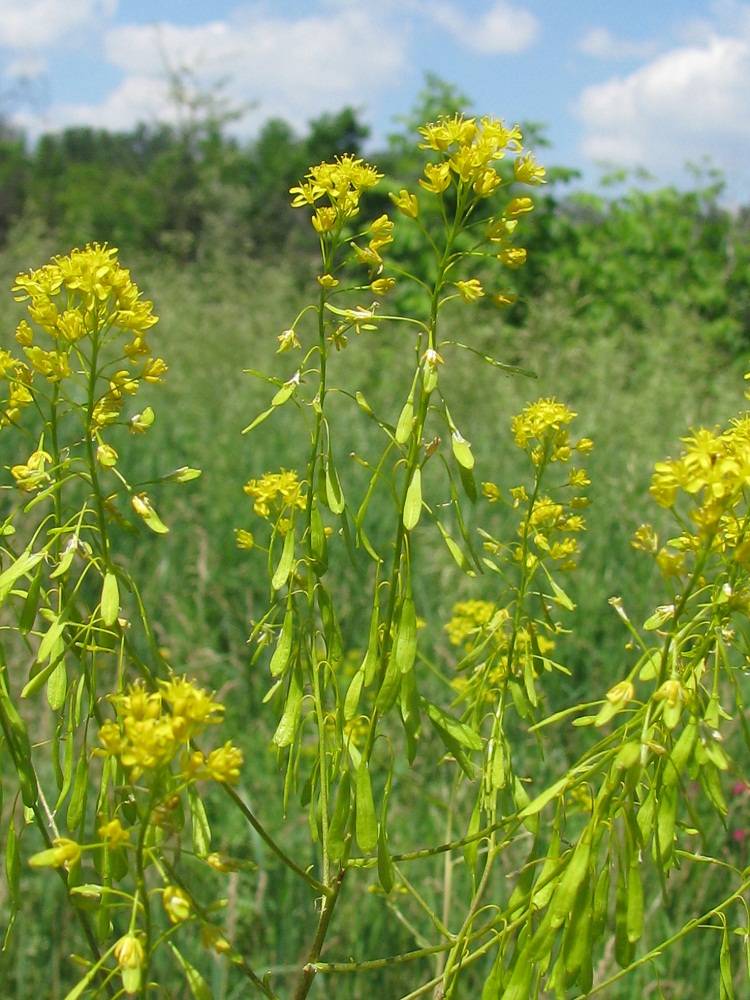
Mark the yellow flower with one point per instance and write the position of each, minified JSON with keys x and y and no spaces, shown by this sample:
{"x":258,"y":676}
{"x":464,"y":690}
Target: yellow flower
{"x":621,"y":693}
{"x":106,"y":456}
{"x":503,"y":299}
{"x":153,"y":370}
{"x":520,"y":206}
{"x":538,"y":418}
{"x":176,"y":904}
{"x":114,"y":834}
{"x":383,"y":285}
{"x":324,"y":219}
{"x":24,"y":336}
{"x":406,"y":203}
{"x":438,"y":177}
{"x":244,"y":539}
{"x":192,"y":708}
{"x":140,"y":422}
{"x":487,"y":182}
{"x":491,"y":492}
{"x":63,"y":853}
{"x":327,"y":281}
{"x":341,"y":183}
{"x":527,"y":171}
{"x":287,"y":340}
{"x":280,"y":490}
{"x":674,"y":695}
{"x":131,"y":958}
{"x":224,"y":764}
{"x":33,"y":475}
{"x":212,"y":938}
{"x":512,"y":257}
{"x":471,"y":290}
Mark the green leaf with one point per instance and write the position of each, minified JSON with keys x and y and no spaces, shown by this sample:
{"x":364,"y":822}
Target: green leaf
{"x":561,"y":597}
{"x":31,"y":604}
{"x":79,"y":795}
{"x":635,"y":911}
{"x":287,"y":727}
{"x":413,"y":502}
{"x":199,"y":823}
{"x":184,"y":474}
{"x":366,"y":821}
{"x":57,"y":686}
{"x":385,"y":865}
{"x":390,"y":687}
{"x":726,"y":983}
{"x":110,"y":603}
{"x":454,"y":735}
{"x":537,"y":804}
{"x":353,"y":694}
{"x":334,"y":494}
{"x":463,"y":734}
{"x":410,"y":716}
{"x":282,"y":654}
{"x":25,"y":562}
{"x":339,"y":819}
{"x":405,"y":639}
{"x":405,"y":422}
{"x":318,"y":542}
{"x":331,"y":630}
{"x":258,"y":420}
{"x":13,"y":865}
{"x":196,"y":983}
{"x":461,"y":561}
{"x":284,"y":568}
{"x":462,"y":451}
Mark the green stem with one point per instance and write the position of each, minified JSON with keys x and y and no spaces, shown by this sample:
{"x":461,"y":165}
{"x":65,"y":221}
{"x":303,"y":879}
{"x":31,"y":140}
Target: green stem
{"x":311,"y":967}
{"x":324,"y":890}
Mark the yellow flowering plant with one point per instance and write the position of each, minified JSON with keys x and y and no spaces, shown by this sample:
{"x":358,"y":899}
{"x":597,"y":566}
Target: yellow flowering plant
{"x":536,"y":887}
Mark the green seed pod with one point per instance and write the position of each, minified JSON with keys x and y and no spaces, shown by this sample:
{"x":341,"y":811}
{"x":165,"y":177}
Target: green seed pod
{"x":339,"y":819}
{"x":366,"y":820}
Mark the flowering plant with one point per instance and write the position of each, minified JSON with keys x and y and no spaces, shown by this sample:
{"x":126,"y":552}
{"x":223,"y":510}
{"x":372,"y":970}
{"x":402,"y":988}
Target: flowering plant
{"x":522,"y":905}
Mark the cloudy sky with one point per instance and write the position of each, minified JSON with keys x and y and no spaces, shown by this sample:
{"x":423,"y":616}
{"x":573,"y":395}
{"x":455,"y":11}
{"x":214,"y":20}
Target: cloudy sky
{"x":638,"y":83}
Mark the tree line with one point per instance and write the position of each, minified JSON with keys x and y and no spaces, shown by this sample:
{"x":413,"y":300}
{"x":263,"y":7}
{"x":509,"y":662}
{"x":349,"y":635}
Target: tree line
{"x":189,"y":189}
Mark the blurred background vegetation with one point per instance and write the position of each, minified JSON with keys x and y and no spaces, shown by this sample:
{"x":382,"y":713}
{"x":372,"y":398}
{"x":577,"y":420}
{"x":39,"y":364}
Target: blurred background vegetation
{"x":634,"y":308}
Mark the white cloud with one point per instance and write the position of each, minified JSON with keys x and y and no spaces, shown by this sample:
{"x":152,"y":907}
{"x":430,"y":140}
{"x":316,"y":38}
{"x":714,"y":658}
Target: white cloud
{"x":503,"y":29}
{"x":602,"y":44}
{"x":692,"y":101}
{"x":32,"y":25}
{"x":295,"y":69}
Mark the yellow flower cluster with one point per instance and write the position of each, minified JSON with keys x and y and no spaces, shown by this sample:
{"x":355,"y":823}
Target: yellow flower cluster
{"x":552,"y":527}
{"x":152,"y":727}
{"x":469,"y":617}
{"x":83,"y":295}
{"x":469,"y":150}
{"x":275,"y":492}
{"x":341,"y":185}
{"x":543,"y":422}
{"x":32,"y":475}
{"x":713,"y":473}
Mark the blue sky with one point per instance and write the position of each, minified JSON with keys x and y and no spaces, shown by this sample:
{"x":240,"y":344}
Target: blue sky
{"x":637,"y":83}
